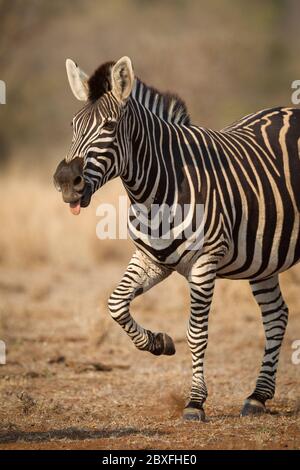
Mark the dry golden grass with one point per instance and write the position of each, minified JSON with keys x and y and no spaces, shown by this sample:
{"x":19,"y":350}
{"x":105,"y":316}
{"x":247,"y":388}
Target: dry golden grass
{"x":74,"y":380}
{"x":54,"y":396}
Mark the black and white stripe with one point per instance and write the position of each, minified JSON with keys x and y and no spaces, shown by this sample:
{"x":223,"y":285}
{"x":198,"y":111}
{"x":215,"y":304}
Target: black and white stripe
{"x":246,"y":177}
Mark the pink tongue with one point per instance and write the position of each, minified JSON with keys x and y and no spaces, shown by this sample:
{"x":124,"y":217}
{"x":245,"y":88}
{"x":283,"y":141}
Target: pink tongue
{"x":75,"y":208}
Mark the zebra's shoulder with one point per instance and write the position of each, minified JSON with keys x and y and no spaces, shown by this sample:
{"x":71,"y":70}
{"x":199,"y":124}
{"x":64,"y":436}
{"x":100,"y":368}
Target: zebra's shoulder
{"x":251,"y":119}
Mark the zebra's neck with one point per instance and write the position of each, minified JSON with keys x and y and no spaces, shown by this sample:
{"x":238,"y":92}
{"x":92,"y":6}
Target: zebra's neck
{"x":146,"y":173}
{"x":149,"y":115}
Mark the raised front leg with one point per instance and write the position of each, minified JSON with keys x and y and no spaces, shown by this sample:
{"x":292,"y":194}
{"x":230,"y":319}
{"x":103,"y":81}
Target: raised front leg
{"x":275,"y":316}
{"x":201,"y":280}
{"x":140,"y":276}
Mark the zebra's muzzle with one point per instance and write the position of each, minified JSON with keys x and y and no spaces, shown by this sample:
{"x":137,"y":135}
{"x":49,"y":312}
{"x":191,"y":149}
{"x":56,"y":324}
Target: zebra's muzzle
{"x":68,"y":178}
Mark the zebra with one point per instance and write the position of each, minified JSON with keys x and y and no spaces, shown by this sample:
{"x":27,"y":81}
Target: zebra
{"x":246,"y":178}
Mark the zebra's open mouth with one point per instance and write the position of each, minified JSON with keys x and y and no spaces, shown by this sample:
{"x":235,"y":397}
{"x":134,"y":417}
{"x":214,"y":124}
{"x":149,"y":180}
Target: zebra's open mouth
{"x":75,"y":207}
{"x":83,"y":201}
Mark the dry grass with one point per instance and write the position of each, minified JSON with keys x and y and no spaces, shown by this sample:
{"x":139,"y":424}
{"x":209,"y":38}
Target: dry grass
{"x":74,"y":380}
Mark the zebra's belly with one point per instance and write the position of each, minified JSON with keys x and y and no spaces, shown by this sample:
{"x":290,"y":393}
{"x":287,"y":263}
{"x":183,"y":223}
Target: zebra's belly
{"x":270,"y":253}
{"x":254,"y":272}
{"x":257,"y":251}
{"x":238,"y":263}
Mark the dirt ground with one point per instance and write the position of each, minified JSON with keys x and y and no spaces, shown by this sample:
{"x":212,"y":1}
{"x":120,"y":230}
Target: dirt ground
{"x":73,"y":379}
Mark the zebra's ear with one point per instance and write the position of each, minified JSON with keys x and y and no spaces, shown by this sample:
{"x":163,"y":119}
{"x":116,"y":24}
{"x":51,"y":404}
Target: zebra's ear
{"x":122,"y":78}
{"x":78,"y":80}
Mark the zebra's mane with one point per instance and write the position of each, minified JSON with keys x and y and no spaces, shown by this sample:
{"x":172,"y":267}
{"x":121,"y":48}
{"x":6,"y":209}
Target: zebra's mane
{"x":167,"y":106}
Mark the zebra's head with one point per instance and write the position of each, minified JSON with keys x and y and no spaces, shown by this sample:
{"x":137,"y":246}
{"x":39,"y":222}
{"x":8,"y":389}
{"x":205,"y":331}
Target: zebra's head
{"x":97,"y":153}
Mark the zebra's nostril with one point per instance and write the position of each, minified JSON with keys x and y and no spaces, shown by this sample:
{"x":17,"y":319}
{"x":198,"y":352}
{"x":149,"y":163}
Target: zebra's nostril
{"x":78,"y":182}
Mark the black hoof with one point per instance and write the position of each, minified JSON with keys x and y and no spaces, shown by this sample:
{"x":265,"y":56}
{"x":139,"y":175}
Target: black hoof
{"x":253,"y":407}
{"x":169,"y":346}
{"x":163,"y":344}
{"x":193,"y":414}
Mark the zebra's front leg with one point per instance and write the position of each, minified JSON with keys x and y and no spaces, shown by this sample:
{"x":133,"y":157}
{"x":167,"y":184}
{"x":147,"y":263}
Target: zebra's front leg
{"x":201,"y":280}
{"x":274,"y":311}
{"x":140,"y":276}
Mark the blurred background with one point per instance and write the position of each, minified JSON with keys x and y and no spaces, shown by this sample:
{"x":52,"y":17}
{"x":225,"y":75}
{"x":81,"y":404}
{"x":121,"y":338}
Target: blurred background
{"x":223,"y":59}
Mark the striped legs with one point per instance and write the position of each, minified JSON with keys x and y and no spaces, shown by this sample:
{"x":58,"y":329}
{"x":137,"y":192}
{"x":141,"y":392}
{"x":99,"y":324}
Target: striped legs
{"x":275,"y":316}
{"x":140,"y":276}
{"x":202,"y":280}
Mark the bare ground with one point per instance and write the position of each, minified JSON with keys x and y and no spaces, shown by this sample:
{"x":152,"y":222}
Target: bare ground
{"x":73,"y":379}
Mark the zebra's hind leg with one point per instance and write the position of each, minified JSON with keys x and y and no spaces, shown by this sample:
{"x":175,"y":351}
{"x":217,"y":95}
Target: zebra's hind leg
{"x":140,"y":276}
{"x":274,"y":311}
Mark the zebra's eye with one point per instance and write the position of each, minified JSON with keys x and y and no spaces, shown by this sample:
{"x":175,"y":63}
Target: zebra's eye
{"x":110,"y":126}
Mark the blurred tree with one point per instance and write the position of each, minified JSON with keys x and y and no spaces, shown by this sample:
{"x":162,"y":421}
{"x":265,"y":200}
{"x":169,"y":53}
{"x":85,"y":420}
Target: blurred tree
{"x":224,"y":61}
{"x":20,"y":22}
